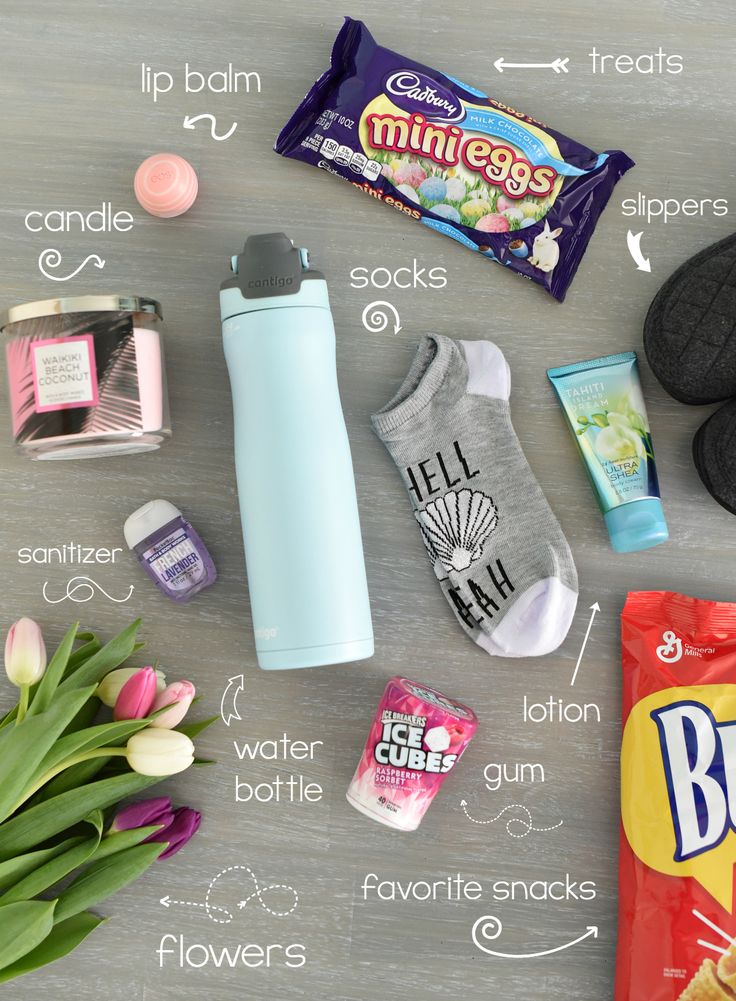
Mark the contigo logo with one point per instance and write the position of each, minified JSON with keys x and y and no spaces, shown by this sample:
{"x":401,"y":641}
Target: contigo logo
{"x":273,"y":281}
{"x":671,"y":650}
{"x":269,"y":633}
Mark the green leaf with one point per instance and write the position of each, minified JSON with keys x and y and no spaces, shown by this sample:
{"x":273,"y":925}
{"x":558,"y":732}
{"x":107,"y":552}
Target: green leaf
{"x":193,"y":730}
{"x":96,"y":819}
{"x":54,"y":673}
{"x":9,"y":717}
{"x":89,"y":739}
{"x":601,"y":420}
{"x":105,"y":660}
{"x":22,"y":748}
{"x":85,"y":717}
{"x":38,"y":823}
{"x":83,"y":653}
{"x":53,"y":871}
{"x":70,"y":778}
{"x":103,"y":878}
{"x":23,"y":926}
{"x":111,"y":844}
{"x":17,"y":868}
{"x":60,"y":941}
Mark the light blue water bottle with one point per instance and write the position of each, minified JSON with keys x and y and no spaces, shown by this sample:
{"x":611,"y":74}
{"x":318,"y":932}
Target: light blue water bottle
{"x":303,"y":548}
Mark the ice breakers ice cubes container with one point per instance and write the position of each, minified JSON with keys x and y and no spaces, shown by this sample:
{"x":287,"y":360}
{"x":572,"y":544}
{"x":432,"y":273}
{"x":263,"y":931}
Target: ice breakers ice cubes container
{"x":303,"y":548}
{"x":417,"y":737}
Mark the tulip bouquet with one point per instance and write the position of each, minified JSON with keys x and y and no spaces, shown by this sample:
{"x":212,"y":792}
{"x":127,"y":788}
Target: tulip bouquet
{"x":65,"y":842}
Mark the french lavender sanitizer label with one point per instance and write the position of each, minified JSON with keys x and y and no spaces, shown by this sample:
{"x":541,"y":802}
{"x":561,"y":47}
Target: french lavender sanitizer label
{"x":175,"y":561}
{"x":64,"y":373}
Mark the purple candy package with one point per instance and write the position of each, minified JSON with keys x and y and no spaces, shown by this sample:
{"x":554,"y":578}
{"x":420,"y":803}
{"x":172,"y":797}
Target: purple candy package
{"x":446,"y":154}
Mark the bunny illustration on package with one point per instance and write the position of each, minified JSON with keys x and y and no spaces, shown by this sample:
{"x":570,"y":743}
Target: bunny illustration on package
{"x":546,"y":252}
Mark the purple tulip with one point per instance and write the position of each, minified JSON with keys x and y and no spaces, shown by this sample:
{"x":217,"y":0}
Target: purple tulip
{"x":143,"y":814}
{"x":136,"y":696}
{"x":183,"y":826}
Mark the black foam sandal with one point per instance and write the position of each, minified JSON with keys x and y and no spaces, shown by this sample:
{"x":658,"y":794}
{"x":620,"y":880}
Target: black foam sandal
{"x":714,"y":454}
{"x":690,"y":329}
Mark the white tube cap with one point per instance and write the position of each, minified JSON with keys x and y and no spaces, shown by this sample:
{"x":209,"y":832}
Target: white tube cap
{"x":147,"y":520}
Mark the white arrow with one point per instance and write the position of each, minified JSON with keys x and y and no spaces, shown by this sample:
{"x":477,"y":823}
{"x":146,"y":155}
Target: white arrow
{"x":168,"y":901}
{"x":490,"y":928}
{"x":376,"y":316}
{"x":558,"y":65}
{"x":594,"y":609}
{"x":633,"y":241}
{"x":229,"y":701}
{"x":191,"y":120}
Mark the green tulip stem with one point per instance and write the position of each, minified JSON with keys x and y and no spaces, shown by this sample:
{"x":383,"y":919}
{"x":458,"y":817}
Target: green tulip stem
{"x":23,"y":703}
{"x":75,"y":759}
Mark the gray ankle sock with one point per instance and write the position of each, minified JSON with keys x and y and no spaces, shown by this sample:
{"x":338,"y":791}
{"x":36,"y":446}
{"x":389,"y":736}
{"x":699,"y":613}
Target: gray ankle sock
{"x":496,"y":547}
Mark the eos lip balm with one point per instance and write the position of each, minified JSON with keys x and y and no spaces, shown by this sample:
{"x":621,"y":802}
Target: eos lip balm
{"x":417,"y":737}
{"x":165,"y":185}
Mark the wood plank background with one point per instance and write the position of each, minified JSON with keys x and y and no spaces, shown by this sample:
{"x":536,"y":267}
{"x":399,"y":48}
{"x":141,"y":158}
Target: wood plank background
{"x":74,"y":128}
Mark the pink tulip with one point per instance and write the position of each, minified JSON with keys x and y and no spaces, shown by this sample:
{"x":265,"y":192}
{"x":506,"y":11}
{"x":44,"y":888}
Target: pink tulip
{"x":136,"y":696}
{"x":25,"y":653}
{"x":179,"y":696}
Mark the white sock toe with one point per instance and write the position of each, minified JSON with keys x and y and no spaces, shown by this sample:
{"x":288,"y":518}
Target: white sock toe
{"x":536,"y":623}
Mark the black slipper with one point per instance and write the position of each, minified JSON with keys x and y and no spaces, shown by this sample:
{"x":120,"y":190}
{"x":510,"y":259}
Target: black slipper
{"x":690,"y":329}
{"x":714,"y":453}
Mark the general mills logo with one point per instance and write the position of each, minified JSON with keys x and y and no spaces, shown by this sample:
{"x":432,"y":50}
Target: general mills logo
{"x":421,"y":93}
{"x":671,"y":650}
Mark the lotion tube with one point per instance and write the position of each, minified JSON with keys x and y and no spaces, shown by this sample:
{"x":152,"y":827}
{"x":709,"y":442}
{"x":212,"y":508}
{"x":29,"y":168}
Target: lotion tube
{"x":604,"y":407}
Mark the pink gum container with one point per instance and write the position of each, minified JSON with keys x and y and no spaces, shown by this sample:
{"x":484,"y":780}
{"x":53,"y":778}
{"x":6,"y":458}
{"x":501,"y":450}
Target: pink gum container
{"x":417,"y":737}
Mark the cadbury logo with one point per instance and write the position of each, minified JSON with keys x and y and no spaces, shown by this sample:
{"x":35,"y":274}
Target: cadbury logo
{"x":421,"y":93}
{"x":699,"y":758}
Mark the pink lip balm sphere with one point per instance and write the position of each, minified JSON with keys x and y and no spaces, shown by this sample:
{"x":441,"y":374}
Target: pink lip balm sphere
{"x":165,"y":185}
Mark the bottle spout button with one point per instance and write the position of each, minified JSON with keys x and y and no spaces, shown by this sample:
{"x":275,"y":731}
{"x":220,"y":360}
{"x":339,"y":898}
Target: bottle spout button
{"x":234,"y":264}
{"x":304,"y":258}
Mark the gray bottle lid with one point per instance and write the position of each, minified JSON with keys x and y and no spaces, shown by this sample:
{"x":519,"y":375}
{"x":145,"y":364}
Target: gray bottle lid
{"x":270,"y":265}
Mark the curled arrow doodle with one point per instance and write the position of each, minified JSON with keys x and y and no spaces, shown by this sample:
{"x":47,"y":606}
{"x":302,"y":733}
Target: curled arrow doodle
{"x":52,"y":258}
{"x":488,"y":928}
{"x":376,"y":316}
{"x":191,"y":120}
{"x":88,"y":587}
{"x":229,"y":701}
{"x":212,"y":910}
{"x":525,"y":824}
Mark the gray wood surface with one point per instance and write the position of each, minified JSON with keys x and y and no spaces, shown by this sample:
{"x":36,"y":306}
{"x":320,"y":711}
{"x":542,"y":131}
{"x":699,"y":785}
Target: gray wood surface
{"x":74,"y":128}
